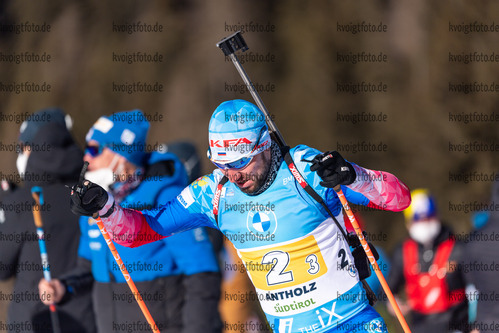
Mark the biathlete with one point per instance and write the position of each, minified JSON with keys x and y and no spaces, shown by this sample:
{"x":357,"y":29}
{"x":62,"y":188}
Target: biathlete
{"x":302,"y":270}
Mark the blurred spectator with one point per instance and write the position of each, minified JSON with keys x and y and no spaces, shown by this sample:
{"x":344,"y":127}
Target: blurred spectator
{"x":178,"y":276}
{"x":49,"y":158}
{"x":482,"y":263}
{"x":189,"y":157}
{"x":428,"y":263}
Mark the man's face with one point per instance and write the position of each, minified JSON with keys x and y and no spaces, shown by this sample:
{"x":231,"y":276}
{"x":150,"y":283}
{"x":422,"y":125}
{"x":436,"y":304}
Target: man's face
{"x":103,"y":160}
{"x":252,"y":177}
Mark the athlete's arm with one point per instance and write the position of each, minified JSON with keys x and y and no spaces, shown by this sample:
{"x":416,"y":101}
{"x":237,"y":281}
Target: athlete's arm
{"x":382,"y":189}
{"x":189,"y":210}
{"x":375,"y":189}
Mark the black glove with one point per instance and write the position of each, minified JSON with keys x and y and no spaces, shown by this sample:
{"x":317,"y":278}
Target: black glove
{"x":333,"y":169}
{"x":87,"y":198}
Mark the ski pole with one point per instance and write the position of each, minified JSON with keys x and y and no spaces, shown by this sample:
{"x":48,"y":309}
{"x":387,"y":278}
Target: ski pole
{"x":37,"y":194}
{"x":121,"y":265}
{"x":229,"y":46}
{"x":126,"y":275}
{"x":371,"y":258}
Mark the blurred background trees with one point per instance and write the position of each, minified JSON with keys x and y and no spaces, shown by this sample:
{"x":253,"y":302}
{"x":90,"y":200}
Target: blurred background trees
{"x":303,"y":74}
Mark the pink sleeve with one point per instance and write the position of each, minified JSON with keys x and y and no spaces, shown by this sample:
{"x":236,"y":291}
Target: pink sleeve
{"x":384,"y":190}
{"x":127,"y":227}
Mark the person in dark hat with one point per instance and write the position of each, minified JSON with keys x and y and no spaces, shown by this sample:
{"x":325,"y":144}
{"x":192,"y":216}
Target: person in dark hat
{"x":49,"y":158}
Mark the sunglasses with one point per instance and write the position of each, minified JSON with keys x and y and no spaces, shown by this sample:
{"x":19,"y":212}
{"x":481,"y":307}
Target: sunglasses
{"x":242,"y":162}
{"x":93,"y":151}
{"x":239,"y":164}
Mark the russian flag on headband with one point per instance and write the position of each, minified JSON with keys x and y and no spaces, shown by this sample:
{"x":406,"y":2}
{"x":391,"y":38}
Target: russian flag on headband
{"x":222,"y":154}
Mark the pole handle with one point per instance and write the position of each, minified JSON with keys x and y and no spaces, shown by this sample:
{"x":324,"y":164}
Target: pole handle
{"x":36,"y":193}
{"x":232,"y":43}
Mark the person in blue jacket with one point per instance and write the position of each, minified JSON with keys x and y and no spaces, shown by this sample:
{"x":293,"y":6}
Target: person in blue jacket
{"x":178,"y":276}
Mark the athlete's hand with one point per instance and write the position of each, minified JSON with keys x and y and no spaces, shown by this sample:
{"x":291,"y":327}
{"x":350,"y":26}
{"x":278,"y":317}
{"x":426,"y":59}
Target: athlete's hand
{"x":333,"y":169}
{"x":87,"y":198}
{"x":51,"y":292}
